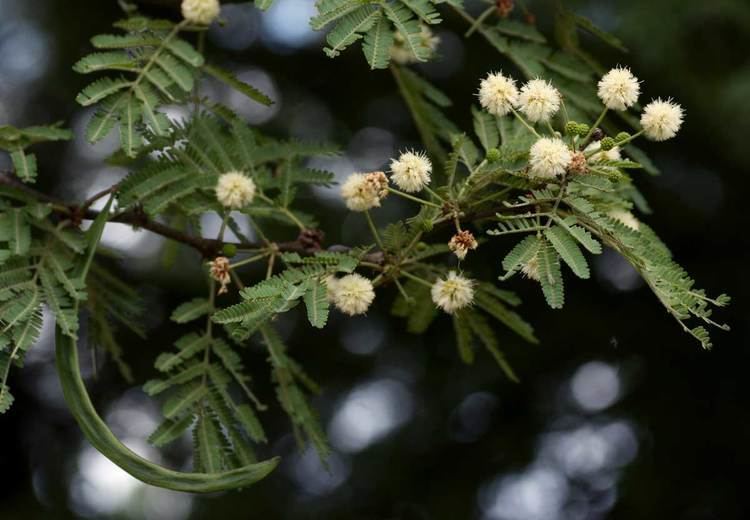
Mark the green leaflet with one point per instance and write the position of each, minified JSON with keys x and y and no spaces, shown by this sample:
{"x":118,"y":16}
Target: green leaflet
{"x":485,"y":126}
{"x":568,"y":250}
{"x":191,"y":310}
{"x":550,"y":276}
{"x":317,"y":305}
{"x":240,"y":86}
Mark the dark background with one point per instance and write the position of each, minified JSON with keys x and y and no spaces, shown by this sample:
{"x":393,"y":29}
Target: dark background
{"x":619,"y":414}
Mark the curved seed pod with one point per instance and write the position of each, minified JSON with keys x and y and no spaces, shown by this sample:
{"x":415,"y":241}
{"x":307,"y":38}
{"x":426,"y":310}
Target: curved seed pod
{"x":101,"y":437}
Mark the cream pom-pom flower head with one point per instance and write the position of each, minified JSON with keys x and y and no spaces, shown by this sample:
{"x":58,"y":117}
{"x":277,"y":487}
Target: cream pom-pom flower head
{"x":619,"y":89}
{"x":200,"y":12}
{"x":411,"y":171}
{"x":363,"y":191}
{"x":352,"y":294}
{"x":661,"y":120}
{"x":453,"y":292}
{"x":498,"y":94}
{"x":549,"y":157}
{"x":235,"y":190}
{"x":539,"y":100}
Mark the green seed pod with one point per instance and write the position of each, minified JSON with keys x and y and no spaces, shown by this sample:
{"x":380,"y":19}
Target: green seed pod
{"x":493,"y":155}
{"x":421,"y":246}
{"x":607,"y":144}
{"x":427,"y":225}
{"x":622,"y":136}
{"x":571,"y":128}
{"x":229,"y":250}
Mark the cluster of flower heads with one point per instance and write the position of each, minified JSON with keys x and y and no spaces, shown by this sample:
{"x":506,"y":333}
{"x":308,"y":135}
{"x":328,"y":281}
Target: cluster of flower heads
{"x":539,"y":101}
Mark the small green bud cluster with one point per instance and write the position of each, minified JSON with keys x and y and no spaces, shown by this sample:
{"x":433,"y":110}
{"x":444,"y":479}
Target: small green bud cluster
{"x":579,"y":129}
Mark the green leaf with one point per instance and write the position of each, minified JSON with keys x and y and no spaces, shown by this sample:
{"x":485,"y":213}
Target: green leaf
{"x":524,"y":251}
{"x":463,"y":337}
{"x":184,"y":400}
{"x":99,"y":61}
{"x":350,"y":29}
{"x":609,"y":39}
{"x":185,"y":52}
{"x":483,"y":331}
{"x":316,"y":302}
{"x":130,"y":138}
{"x":169,"y":430}
{"x":582,"y":235}
{"x":240,"y":86}
{"x":20,"y":234}
{"x":191,"y":310}
{"x":24,"y":164}
{"x":485,"y":126}
{"x":377,"y":44}
{"x":101,"y":89}
{"x":104,"y":119}
{"x":568,"y":251}
{"x":550,"y":276}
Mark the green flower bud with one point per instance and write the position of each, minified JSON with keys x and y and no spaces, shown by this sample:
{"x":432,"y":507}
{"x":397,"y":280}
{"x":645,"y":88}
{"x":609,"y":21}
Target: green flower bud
{"x":622,"y":136}
{"x":427,"y":225}
{"x":607,"y":144}
{"x":571,"y":128}
{"x":229,"y":250}
{"x":582,"y":129}
{"x":493,"y":155}
{"x":421,"y":246}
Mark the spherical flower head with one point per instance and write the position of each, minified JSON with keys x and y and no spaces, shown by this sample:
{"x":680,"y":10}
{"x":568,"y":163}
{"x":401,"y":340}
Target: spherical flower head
{"x":619,"y":89}
{"x":539,"y":100}
{"x":218,"y":269}
{"x":363,"y":191}
{"x":200,"y":12}
{"x":331,"y":283}
{"x":531,"y":269}
{"x":661,"y":120}
{"x":411,"y":171}
{"x":453,"y":292}
{"x":461,"y":243}
{"x":402,"y":54}
{"x":498,"y":94}
{"x":353,"y":294}
{"x":613,"y":154}
{"x":626,"y":218}
{"x":549,"y":157}
{"x":235,"y":190}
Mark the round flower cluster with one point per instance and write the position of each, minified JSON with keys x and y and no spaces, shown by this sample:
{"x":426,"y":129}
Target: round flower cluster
{"x":411,"y":171}
{"x":453,"y":293}
{"x":549,"y":157}
{"x":363,"y":191}
{"x":235,"y":190}
{"x":498,"y":94}
{"x":539,"y":100}
{"x":661,"y":120}
{"x":200,"y":12}
{"x":352,"y":294}
{"x":619,"y":89}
